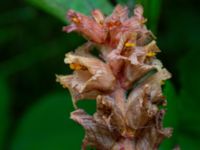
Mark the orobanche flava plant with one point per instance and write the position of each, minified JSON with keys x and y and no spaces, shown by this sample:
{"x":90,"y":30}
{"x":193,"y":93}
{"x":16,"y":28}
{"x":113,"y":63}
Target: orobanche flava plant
{"x":125,"y":79}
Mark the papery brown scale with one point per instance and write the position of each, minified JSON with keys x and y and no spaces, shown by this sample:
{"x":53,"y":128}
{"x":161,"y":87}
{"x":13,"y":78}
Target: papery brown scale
{"x":140,"y":106}
{"x":97,"y":134}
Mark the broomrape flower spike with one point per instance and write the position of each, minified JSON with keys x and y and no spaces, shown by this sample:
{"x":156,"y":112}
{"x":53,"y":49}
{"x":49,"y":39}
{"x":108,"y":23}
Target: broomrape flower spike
{"x":125,"y":80}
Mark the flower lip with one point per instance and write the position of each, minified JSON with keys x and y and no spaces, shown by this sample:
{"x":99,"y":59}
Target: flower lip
{"x":89,"y":74}
{"x":77,"y":62}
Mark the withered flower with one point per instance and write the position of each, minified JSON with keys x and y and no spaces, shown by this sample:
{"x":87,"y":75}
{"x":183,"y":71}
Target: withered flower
{"x":125,"y":80}
{"x":91,"y":76}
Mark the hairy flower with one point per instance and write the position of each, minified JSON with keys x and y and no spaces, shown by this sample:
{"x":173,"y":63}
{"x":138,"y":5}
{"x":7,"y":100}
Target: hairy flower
{"x":125,"y":80}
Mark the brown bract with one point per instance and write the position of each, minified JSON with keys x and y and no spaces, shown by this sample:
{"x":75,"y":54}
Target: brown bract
{"x":125,"y":79}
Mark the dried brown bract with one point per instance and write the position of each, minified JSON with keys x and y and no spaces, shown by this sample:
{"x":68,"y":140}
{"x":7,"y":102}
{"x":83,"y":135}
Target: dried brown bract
{"x":125,"y":80}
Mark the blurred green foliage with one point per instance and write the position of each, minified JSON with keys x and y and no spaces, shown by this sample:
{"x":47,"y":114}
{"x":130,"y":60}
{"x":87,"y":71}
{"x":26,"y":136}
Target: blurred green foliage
{"x":46,"y":126}
{"x":34,"y":110}
{"x":4,"y":107}
{"x":59,"y":7}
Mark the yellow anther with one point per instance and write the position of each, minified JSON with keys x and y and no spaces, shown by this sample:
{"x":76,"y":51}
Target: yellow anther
{"x":75,"y":19}
{"x":162,"y":82}
{"x":143,"y":21}
{"x":151,"y":54}
{"x":74,"y":66}
{"x":127,"y":132}
{"x":100,"y":22}
{"x":129,"y":44}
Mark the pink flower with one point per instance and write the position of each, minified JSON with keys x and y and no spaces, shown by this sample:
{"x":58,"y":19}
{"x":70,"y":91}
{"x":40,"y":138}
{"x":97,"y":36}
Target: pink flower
{"x":86,"y":26}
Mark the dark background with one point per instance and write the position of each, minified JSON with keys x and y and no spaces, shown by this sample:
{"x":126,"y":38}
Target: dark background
{"x":34,"y":109}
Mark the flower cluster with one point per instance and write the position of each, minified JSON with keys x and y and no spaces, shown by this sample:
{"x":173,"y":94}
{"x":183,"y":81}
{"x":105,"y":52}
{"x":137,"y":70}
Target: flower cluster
{"x":125,"y":79}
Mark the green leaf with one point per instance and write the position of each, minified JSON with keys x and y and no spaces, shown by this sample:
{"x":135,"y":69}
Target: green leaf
{"x":59,"y":8}
{"x":188,"y":142}
{"x":189,"y":95}
{"x":171,"y":117}
{"x":172,"y":105}
{"x":129,"y":3}
{"x":46,"y":126}
{"x":39,"y":53}
{"x":89,"y":105}
{"x":4,"y":110}
{"x":7,"y":34}
{"x":151,"y":12}
{"x":122,"y":1}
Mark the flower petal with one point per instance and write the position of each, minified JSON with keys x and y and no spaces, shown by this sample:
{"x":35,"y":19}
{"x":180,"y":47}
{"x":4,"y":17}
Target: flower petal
{"x":97,"y":134}
{"x":119,"y":14}
{"x":98,"y":16}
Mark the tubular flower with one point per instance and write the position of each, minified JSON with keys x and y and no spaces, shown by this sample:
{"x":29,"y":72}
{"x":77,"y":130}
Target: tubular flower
{"x":125,"y":79}
{"x":87,"y":26}
{"x":91,"y":76}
